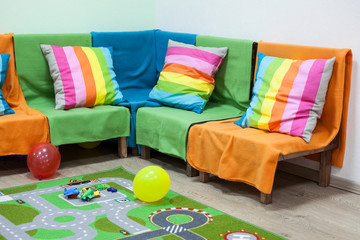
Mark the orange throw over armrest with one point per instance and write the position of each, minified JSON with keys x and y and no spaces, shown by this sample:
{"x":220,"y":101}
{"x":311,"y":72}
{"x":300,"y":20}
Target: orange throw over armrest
{"x":334,"y":116}
{"x":19,"y":131}
{"x":250,"y":155}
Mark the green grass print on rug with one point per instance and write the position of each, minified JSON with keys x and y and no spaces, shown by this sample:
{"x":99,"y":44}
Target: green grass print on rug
{"x":41,"y":211}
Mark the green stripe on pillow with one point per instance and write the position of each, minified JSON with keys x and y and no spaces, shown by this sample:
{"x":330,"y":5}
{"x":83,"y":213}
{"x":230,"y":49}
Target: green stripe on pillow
{"x":110,"y":90}
{"x":180,"y":89}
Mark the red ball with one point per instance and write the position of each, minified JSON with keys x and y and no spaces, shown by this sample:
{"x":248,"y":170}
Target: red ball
{"x":43,"y":160}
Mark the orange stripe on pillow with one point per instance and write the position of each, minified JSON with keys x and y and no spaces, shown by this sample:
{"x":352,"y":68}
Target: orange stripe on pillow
{"x":188,"y":71}
{"x":88,"y":77}
{"x":284,"y":90}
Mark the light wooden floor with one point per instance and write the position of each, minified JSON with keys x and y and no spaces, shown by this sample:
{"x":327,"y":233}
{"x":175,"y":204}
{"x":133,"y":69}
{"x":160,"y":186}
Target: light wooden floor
{"x":300,"y":208}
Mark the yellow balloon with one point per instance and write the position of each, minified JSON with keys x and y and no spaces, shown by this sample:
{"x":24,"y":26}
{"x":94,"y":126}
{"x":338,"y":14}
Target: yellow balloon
{"x":151,"y":184}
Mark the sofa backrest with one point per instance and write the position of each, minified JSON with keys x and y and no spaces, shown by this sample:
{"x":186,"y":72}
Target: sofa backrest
{"x":138,"y":59}
{"x":139,"y":55}
{"x":32,"y":67}
{"x":133,"y":57}
{"x":233,"y":79}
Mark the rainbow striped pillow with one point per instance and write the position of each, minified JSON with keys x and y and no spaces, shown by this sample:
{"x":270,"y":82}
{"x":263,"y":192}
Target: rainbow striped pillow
{"x":83,"y":76}
{"x":288,"y":95}
{"x":187,"y":78}
{"x":4,"y":107}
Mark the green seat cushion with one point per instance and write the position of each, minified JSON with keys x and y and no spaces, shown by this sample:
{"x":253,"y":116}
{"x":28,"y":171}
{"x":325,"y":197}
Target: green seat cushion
{"x":69,"y":126}
{"x":86,"y":124}
{"x":165,"y":129}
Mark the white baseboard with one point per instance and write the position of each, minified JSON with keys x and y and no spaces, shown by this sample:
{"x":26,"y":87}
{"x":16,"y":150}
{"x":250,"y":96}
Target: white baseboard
{"x":311,"y":174}
{"x":345,"y":184}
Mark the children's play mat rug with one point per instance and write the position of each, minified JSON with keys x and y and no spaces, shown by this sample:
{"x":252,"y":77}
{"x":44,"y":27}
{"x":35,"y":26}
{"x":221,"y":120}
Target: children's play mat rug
{"x":42,"y":211}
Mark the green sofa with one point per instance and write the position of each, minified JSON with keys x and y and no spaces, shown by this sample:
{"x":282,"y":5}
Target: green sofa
{"x":138,"y":59}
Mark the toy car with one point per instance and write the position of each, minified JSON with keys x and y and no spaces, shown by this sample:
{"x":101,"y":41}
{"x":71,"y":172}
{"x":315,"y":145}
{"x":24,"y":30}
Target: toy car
{"x":124,"y":232}
{"x":71,"y":192}
{"x":111,"y":189}
{"x":74,"y":180}
{"x":96,"y":192}
{"x":102,"y":186}
{"x":77,"y":182}
{"x":20,"y":201}
{"x":87,"y":195}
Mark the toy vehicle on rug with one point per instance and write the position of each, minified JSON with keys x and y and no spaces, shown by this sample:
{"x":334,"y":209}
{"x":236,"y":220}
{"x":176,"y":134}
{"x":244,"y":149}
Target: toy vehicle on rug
{"x":96,"y":192}
{"x":111,"y":189}
{"x":103,"y":186}
{"x":72,"y":192}
{"x":89,"y":193}
{"x":124,"y":232}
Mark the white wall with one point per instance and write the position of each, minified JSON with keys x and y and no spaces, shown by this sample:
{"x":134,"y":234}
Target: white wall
{"x":326,"y":23}
{"x":76,"y":16}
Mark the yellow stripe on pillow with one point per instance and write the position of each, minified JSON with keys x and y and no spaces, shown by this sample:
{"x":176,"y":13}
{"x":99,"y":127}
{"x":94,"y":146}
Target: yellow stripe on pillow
{"x":187,"y":81}
{"x":269,"y":101}
{"x":98,"y":76}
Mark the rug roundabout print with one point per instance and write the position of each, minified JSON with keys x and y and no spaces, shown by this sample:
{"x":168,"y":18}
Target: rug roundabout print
{"x":102,"y":206}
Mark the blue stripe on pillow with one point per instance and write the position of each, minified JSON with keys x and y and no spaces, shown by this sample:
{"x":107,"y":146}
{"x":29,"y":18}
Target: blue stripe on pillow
{"x":183,"y":101}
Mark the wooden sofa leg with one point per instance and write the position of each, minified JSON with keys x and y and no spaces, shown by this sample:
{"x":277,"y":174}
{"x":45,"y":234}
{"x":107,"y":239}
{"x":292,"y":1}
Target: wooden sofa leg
{"x":204,"y":176}
{"x":325,"y":168}
{"x":134,"y":151}
{"x":145,"y":152}
{"x":122,"y":147}
{"x":265,"y":198}
{"x":190,"y":171}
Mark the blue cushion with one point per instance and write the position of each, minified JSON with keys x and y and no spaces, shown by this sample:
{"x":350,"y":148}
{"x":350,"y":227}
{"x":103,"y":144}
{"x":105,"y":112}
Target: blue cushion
{"x":4,"y":107}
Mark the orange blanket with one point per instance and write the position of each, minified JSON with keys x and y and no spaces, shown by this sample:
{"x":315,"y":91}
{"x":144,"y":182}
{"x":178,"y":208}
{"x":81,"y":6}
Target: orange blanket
{"x":250,"y":155}
{"x":19,"y":131}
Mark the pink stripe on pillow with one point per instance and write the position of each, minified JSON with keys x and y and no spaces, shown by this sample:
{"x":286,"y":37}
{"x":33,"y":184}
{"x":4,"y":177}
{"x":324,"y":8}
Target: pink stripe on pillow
{"x":293,"y":97}
{"x":65,"y":74}
{"x":198,"y":64}
{"x":308,"y":97}
{"x":195,"y":53}
{"x":76,"y":73}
